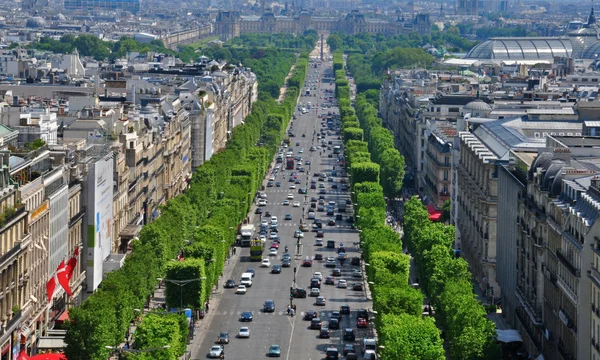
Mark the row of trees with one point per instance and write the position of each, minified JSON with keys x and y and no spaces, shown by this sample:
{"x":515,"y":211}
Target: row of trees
{"x":446,"y":279}
{"x":403,"y":333}
{"x":90,"y":45}
{"x":200,"y":225}
{"x":289,"y":41}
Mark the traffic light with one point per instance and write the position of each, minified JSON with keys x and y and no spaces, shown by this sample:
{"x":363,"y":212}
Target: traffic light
{"x":292,"y":289}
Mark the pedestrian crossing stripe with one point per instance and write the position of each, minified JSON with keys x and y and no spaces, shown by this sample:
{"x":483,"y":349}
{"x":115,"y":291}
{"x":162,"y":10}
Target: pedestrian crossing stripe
{"x":322,"y":314}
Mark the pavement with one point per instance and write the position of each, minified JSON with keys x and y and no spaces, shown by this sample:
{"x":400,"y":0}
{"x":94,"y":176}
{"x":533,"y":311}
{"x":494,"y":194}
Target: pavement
{"x":291,"y":333}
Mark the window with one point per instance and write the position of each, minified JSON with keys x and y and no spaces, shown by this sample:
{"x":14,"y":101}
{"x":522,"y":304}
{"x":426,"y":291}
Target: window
{"x":446,"y":161}
{"x":446,"y":175}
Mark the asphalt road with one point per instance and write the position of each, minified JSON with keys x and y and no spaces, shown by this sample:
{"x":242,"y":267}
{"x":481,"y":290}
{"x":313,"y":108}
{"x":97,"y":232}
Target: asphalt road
{"x":291,"y":333}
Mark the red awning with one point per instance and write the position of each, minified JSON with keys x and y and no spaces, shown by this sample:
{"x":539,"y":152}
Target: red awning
{"x":49,"y":357}
{"x":63,"y":317}
{"x":434,"y":215}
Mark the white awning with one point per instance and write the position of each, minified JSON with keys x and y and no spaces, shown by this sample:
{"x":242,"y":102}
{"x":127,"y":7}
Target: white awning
{"x":508,"y":336}
{"x":51,"y":343}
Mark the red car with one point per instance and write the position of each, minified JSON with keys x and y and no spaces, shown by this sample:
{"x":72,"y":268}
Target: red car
{"x":307,"y":263}
{"x":275,"y":245}
{"x":361,"y":323}
{"x":320,"y":234}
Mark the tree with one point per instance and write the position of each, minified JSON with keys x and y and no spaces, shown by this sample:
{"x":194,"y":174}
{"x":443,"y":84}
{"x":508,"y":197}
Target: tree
{"x":365,"y":171}
{"x":160,"y":330}
{"x":397,"y":300}
{"x":352,"y":134}
{"x":407,"y":337}
{"x":335,"y":42}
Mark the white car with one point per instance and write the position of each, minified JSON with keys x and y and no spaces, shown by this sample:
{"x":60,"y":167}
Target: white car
{"x":299,"y":234}
{"x":272,"y":178}
{"x":262,"y":202}
{"x":342,"y":284}
{"x":244,"y":332}
{"x":296,"y":204}
{"x":272,"y":252}
{"x":264,"y":222}
{"x":273,"y":219}
{"x":292,"y":186}
{"x":318,"y":275}
{"x":263,"y":196}
{"x":241,"y":289}
{"x":262,"y":238}
{"x":315,"y":292}
{"x":319,"y":242}
{"x":311,"y":215}
{"x":286,"y":202}
{"x":273,"y":235}
{"x":215,"y":352}
{"x":290,"y":197}
{"x":265,"y":263}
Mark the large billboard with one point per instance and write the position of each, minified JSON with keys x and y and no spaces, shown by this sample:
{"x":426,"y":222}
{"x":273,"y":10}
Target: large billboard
{"x":99,"y":218}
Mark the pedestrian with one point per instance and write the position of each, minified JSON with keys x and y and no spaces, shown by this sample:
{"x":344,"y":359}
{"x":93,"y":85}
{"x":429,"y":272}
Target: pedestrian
{"x":288,"y":309}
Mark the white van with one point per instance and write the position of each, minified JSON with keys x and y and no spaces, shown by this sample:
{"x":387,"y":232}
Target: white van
{"x":246,"y":279}
{"x":368,"y":344}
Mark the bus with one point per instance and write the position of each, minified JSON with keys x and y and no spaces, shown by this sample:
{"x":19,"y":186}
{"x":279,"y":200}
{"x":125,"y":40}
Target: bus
{"x":337,"y":149}
{"x":256,"y":250}
{"x":289,"y":163}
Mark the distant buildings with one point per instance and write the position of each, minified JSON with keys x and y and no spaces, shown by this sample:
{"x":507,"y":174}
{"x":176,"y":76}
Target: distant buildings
{"x":127,"y":5}
{"x":230,"y":24}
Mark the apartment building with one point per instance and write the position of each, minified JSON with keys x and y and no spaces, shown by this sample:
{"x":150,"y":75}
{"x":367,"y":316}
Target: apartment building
{"x":21,"y":275}
{"x":438,"y":166}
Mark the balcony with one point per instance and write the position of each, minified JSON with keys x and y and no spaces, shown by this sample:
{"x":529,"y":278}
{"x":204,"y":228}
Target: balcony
{"x":567,"y":264}
{"x":73,"y":220}
{"x":11,"y":213}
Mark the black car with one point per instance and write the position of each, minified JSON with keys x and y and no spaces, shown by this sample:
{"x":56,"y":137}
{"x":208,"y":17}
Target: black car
{"x":246,"y":316}
{"x":268,"y":214}
{"x":276,"y":269}
{"x":334,"y":324}
{"x":315,"y":283}
{"x":336,"y":272}
{"x":310,"y":314}
{"x":324,"y":333}
{"x":315,"y":323}
{"x":230,"y":284}
{"x":357,"y":286}
{"x":286,"y":263}
{"x":299,"y":293}
{"x":269,"y":306}
{"x":318,"y":256}
{"x":251,"y":271}
{"x":331,"y":222}
{"x":349,"y":335}
{"x":348,"y":348}
{"x":362,"y":313}
{"x":223,"y":338}
{"x":258,"y":211}
{"x":338,"y":216}
{"x":336,"y":315}
{"x":355,"y":261}
{"x":345,"y":309}
{"x":330,"y":244}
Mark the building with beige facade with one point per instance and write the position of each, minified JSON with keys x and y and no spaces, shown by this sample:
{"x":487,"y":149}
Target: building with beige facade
{"x":230,"y":24}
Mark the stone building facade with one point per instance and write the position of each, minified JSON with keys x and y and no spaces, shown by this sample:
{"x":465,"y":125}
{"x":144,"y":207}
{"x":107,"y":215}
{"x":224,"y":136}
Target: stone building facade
{"x":230,"y":24}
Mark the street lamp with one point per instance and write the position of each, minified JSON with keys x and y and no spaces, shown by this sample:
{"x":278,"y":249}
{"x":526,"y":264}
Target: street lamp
{"x":181,"y":284}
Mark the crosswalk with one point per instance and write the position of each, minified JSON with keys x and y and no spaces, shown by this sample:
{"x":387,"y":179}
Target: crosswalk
{"x":295,"y":191}
{"x":322,"y":314}
{"x":324,"y":227}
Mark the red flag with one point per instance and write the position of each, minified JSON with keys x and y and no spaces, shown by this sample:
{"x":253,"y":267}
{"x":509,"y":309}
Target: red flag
{"x":63,"y":278}
{"x":72,"y":263}
{"x":53,"y":281}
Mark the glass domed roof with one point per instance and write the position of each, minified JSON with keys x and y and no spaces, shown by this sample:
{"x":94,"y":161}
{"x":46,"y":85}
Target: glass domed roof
{"x":521,"y":49}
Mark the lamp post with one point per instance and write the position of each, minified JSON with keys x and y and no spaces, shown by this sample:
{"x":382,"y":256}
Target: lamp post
{"x":181,"y":284}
